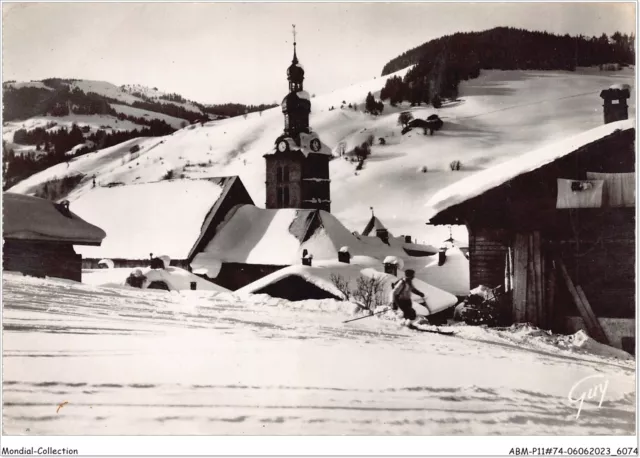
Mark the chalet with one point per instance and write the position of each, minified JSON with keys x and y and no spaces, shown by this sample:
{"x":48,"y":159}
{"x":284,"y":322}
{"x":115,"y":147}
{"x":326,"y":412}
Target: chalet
{"x":174,"y":218}
{"x":39,"y":236}
{"x":556,"y":228}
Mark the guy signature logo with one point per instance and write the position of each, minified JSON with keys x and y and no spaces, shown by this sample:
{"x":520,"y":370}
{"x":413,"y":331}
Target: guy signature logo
{"x":579,"y":391}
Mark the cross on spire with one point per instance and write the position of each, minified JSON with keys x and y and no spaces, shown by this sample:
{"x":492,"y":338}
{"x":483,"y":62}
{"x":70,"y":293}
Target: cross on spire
{"x":295,"y":58}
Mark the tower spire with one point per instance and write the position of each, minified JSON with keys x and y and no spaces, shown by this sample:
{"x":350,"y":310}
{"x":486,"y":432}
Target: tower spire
{"x":295,"y":58}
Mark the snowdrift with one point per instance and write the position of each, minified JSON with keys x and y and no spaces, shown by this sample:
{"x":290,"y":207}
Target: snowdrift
{"x":177,"y":279}
{"x":527,"y":336}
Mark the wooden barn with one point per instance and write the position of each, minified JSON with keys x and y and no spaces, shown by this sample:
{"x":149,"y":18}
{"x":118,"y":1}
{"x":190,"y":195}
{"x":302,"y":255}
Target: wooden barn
{"x":556,"y":228}
{"x":39,"y":236}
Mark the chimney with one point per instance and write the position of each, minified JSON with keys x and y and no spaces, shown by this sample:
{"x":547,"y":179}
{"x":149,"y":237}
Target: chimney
{"x":344,"y":255}
{"x":442,"y":257}
{"x":615,"y":103}
{"x":391,"y":264}
{"x":306,"y":258}
{"x":407,"y":239}
{"x":63,"y":207}
{"x":391,"y":268}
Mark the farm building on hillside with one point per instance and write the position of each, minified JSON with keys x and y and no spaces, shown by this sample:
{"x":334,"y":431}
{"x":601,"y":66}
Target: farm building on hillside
{"x":174,"y":218}
{"x":557,"y":227}
{"x":39,"y":236}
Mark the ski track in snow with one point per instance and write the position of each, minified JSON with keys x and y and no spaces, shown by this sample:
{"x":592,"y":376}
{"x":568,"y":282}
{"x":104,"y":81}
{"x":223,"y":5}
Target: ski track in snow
{"x":147,"y":362}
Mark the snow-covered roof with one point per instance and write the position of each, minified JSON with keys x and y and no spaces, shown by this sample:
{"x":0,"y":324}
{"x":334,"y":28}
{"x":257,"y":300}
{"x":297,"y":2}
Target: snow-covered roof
{"x":33,"y":218}
{"x":278,"y":237}
{"x":493,"y":177}
{"x":304,"y":95}
{"x":620,"y":87}
{"x":452,"y":276}
{"x":320,"y":275}
{"x":164,"y":217}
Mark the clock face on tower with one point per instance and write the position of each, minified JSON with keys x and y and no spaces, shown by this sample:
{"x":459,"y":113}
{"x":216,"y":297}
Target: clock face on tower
{"x":282,"y":146}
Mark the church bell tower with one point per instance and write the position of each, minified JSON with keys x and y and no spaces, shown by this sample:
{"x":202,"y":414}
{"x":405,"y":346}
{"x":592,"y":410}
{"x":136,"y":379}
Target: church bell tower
{"x":298,"y":166}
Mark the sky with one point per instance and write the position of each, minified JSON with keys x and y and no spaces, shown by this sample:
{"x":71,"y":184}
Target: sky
{"x":239,"y":52}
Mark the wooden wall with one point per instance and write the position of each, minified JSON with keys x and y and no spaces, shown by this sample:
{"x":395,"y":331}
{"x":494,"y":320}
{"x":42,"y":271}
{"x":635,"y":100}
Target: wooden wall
{"x":42,"y":259}
{"x":487,"y":253}
{"x":597,"y":247}
{"x":599,"y":253}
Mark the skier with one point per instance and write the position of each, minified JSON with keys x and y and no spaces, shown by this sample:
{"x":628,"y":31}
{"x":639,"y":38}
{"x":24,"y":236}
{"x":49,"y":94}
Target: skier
{"x":401,"y":295}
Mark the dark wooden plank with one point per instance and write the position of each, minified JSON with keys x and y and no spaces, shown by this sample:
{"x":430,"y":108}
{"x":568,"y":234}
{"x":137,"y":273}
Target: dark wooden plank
{"x":551,"y":293}
{"x":600,"y":335}
{"x":593,"y":325}
{"x":537,"y":274}
{"x":520,"y":278}
{"x":530,"y":309}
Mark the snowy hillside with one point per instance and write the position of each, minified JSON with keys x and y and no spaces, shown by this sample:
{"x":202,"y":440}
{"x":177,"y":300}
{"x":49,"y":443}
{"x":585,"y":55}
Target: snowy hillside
{"x":127,"y":95}
{"x":200,"y":363}
{"x":500,"y":115}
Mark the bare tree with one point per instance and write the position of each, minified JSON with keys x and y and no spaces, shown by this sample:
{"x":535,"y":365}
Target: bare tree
{"x":342,"y":284}
{"x":369,"y":292}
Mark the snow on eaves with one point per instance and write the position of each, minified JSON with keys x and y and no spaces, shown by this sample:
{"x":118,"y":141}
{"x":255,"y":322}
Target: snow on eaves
{"x":493,"y":177}
{"x":164,"y":218}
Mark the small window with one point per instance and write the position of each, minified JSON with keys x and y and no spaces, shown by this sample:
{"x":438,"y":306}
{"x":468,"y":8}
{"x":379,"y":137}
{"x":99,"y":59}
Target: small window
{"x":279,"y":175}
{"x":285,"y":199}
{"x":285,"y":174}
